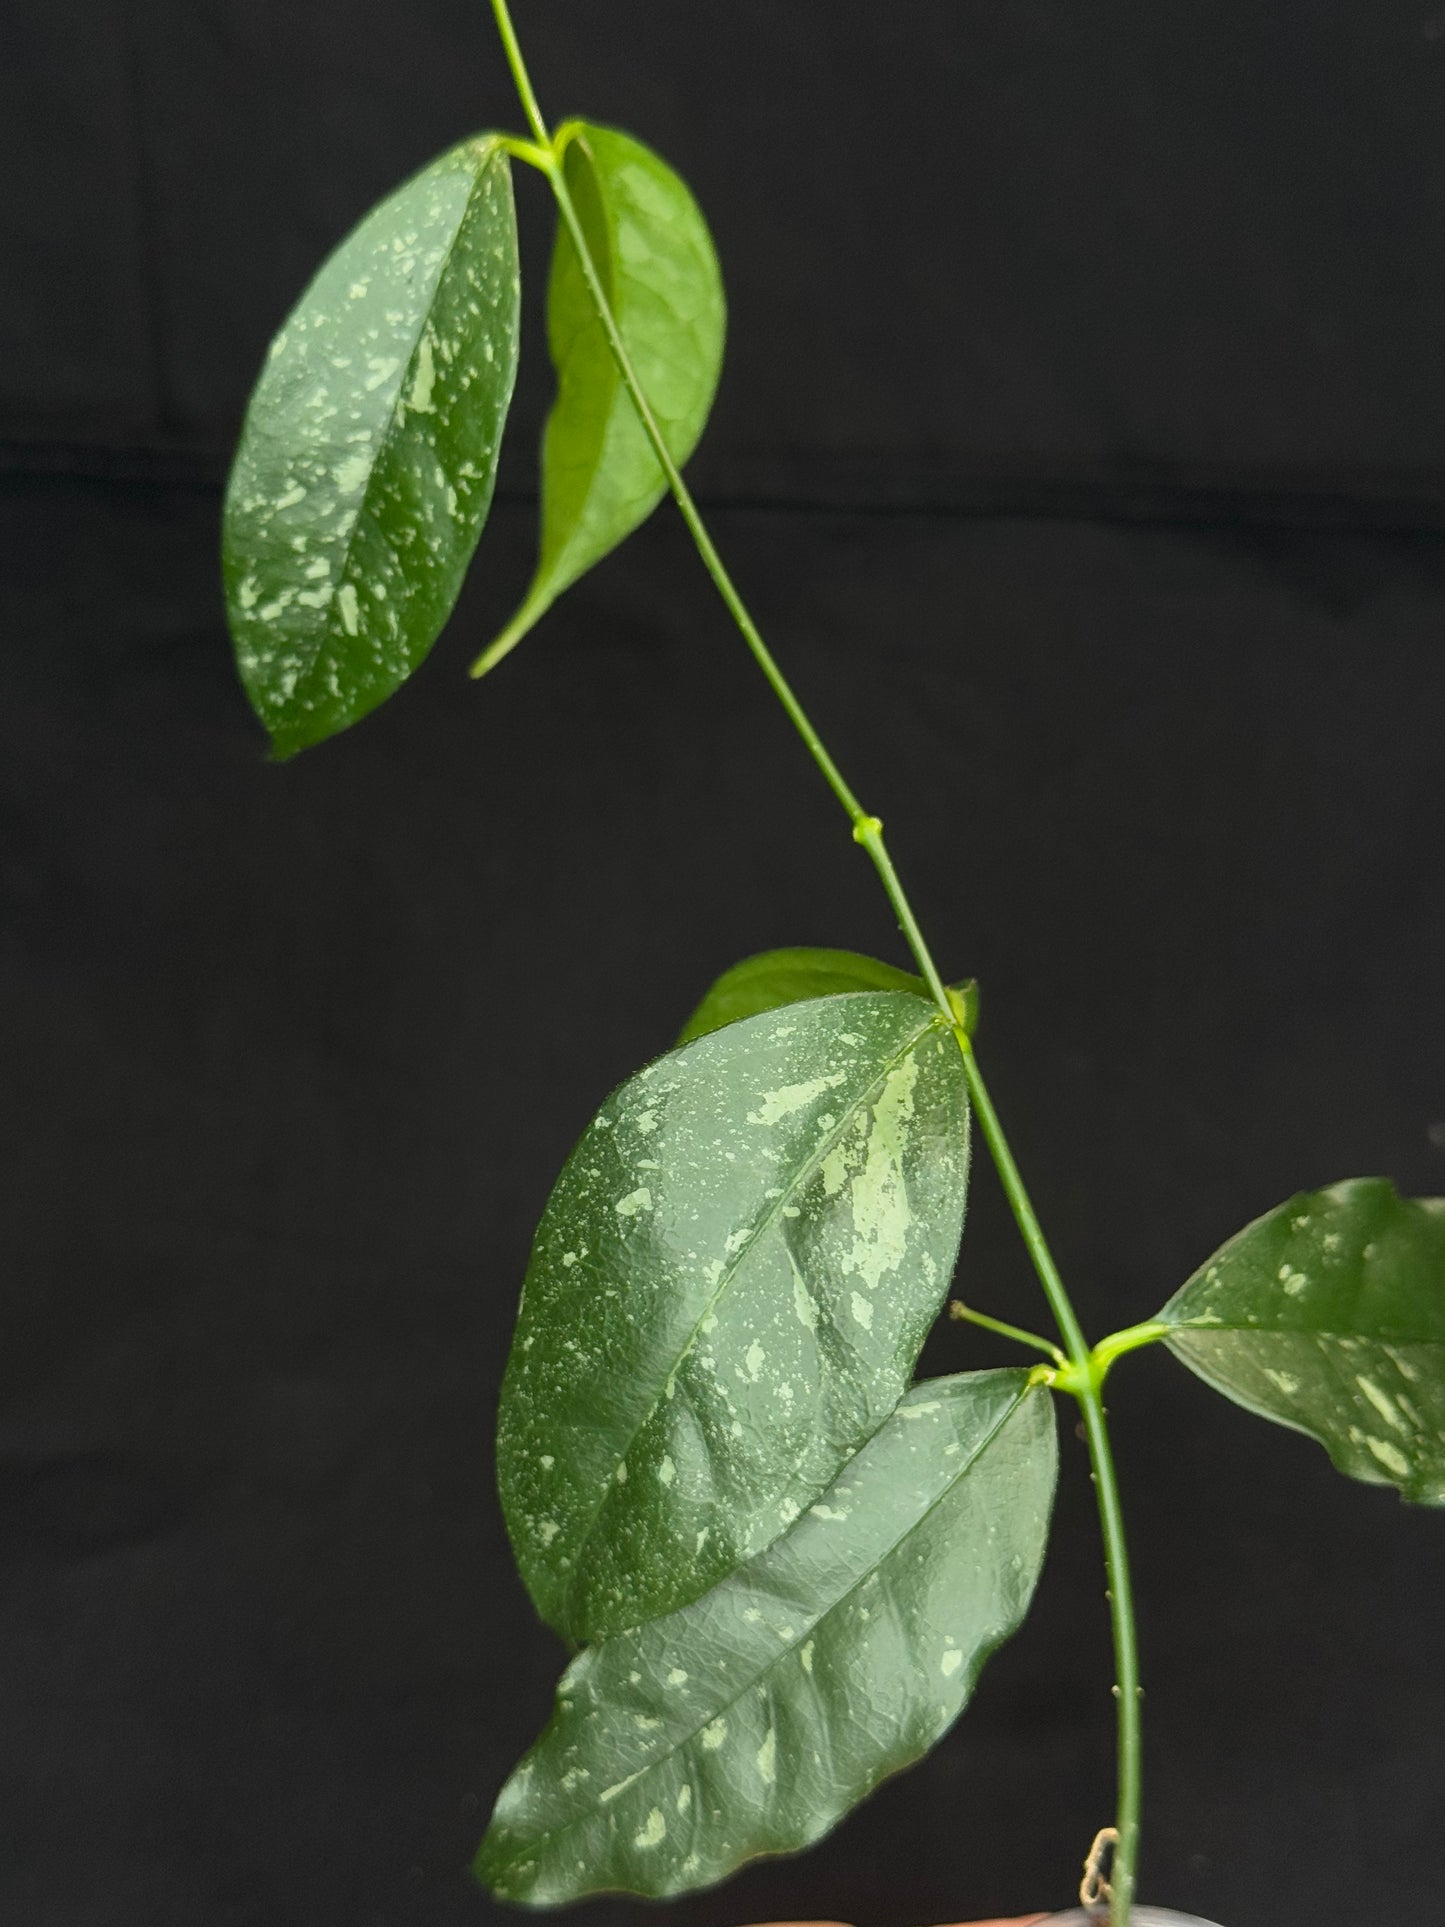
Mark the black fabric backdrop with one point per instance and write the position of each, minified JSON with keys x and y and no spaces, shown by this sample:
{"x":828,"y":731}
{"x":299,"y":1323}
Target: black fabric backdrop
{"x":1080,"y":449}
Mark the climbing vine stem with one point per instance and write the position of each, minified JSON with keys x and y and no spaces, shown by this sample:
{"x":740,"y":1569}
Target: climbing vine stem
{"x":1080,"y":1374}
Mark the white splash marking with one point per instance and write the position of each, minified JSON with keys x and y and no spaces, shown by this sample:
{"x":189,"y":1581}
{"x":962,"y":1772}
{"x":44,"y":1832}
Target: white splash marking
{"x":666,"y":1470}
{"x":654,"y":1830}
{"x":950,"y":1663}
{"x":423,"y":380}
{"x":881,"y":1211}
{"x":1285,"y":1381}
{"x":793,"y":1097}
{"x":677,"y":1677}
{"x":346,"y":603}
{"x":805,"y":1653}
{"x":862,"y":1311}
{"x":546,"y":1461}
{"x":1383,"y":1404}
{"x":611,"y":1792}
{"x":547,"y":1530}
{"x":635,"y":1201}
{"x":828,"y":1512}
{"x":1390,"y":1456}
{"x":754,"y":1360}
{"x":713,"y":1735}
{"x":296,"y":493}
{"x":835,"y":1171}
{"x":1294,"y":1282}
{"x":768,"y":1758}
{"x":351,"y":473}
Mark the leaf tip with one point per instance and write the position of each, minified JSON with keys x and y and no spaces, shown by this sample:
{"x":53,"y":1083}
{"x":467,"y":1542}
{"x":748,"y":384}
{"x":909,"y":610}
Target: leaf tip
{"x":524,"y":620}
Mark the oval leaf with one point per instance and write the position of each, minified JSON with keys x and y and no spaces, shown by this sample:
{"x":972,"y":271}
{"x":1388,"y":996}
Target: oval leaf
{"x":729,"y":1288}
{"x":778,"y":977}
{"x":753,"y":1720}
{"x":655,"y":259}
{"x":1328,"y":1315}
{"x":369,"y":453}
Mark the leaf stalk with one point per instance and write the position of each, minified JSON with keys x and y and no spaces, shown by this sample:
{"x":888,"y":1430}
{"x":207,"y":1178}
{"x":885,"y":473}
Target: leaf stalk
{"x":965,"y":1314}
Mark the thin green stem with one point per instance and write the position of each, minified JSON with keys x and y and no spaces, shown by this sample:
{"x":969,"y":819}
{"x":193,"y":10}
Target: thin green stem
{"x":868,"y":831}
{"x":1075,"y":1344}
{"x":1128,"y":1692}
{"x":1084,"y":1379}
{"x":688,"y":509}
{"x":521,"y":80}
{"x":965,"y":1314}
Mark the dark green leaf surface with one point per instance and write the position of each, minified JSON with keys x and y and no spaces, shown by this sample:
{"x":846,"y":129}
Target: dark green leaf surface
{"x":751,"y":1721}
{"x":1328,"y":1314}
{"x":366,"y":465}
{"x":729,"y":1288}
{"x":600,"y":475}
{"x":779,"y":977}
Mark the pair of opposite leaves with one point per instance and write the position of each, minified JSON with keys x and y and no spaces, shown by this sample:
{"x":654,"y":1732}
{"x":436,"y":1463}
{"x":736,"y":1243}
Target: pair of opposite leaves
{"x":792,"y":1563}
{"x":369,"y":454}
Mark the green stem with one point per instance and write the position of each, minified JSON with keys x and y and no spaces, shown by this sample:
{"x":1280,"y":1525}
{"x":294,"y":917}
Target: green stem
{"x":1085,"y":1380}
{"x":867,"y":829}
{"x":868,"y":832}
{"x":521,"y":80}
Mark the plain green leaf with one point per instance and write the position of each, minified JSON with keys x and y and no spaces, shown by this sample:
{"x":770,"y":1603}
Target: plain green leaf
{"x":778,"y":977}
{"x":1328,"y":1315}
{"x":729,"y":1288}
{"x":751,"y":1721}
{"x":600,"y":474}
{"x":369,"y":453}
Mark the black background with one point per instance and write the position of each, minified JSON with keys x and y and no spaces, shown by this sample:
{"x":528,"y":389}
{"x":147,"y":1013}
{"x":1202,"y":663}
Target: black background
{"x":1080,"y":448}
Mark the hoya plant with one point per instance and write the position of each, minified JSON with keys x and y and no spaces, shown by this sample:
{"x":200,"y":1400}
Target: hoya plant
{"x":778,"y":1561}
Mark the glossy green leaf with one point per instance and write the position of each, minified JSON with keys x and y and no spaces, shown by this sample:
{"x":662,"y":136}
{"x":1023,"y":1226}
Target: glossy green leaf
{"x":751,"y":1721}
{"x":369,"y":453}
{"x":729,"y":1288}
{"x":1328,"y":1315}
{"x":778,"y":977}
{"x":600,"y":474}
